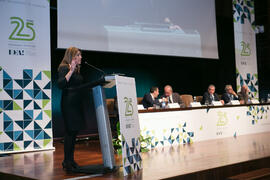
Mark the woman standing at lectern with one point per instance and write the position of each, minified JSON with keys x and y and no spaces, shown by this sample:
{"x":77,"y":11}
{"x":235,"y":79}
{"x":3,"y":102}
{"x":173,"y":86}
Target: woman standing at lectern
{"x":69,"y":78}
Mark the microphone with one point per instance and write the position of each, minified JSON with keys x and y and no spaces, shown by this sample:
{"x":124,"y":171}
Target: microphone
{"x":100,"y":70}
{"x":94,"y":67}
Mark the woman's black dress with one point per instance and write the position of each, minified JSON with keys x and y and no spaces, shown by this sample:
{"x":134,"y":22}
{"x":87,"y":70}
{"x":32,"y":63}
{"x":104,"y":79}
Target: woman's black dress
{"x":72,"y":99}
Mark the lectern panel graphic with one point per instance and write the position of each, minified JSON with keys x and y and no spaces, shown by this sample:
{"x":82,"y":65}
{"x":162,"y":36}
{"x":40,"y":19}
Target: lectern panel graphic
{"x":129,"y":123}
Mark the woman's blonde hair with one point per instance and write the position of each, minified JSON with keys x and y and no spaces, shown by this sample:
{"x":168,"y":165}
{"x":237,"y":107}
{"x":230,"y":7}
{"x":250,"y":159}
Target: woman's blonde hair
{"x":69,"y":55}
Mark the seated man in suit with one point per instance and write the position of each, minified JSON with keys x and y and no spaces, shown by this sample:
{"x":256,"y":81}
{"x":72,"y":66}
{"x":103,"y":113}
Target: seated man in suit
{"x":243,"y":95}
{"x":171,"y":97}
{"x":150,"y":99}
{"x":210,"y":95}
{"x":229,"y":95}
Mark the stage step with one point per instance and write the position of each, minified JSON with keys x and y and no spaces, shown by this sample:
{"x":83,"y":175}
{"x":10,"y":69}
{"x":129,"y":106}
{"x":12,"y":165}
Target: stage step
{"x":263,"y":173}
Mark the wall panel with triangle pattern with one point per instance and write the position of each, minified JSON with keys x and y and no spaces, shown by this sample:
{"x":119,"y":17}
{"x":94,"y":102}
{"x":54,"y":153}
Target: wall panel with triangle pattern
{"x":25,"y":110}
{"x":25,"y":77}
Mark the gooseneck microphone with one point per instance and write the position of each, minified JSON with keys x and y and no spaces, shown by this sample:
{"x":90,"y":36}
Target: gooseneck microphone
{"x":100,"y":70}
{"x":94,"y":67}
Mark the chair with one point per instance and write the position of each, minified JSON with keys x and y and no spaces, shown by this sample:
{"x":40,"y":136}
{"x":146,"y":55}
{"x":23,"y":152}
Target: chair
{"x":139,"y":100}
{"x":187,"y":99}
{"x":199,"y":98}
{"x":220,"y":96}
{"x":110,"y":106}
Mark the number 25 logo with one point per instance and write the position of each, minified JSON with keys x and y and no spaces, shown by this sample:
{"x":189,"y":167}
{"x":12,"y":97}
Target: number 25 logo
{"x":17,"y":31}
{"x":246,"y":51}
{"x":129,"y":106}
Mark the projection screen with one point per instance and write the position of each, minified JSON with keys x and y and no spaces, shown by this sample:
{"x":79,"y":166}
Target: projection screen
{"x":161,"y":27}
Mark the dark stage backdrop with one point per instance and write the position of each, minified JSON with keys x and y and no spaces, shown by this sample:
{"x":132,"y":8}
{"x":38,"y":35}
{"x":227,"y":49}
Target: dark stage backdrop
{"x":185,"y":75}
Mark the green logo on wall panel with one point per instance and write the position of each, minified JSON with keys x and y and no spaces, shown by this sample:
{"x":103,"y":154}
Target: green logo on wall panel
{"x":17,"y":34}
{"x":246,"y":51}
{"x":129,"y":106}
{"x":222,"y":119}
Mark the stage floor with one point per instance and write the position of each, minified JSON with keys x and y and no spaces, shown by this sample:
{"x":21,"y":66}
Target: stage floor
{"x":158,"y":163}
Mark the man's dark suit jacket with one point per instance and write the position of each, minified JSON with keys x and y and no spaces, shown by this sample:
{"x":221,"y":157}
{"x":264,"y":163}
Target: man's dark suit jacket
{"x":206,"y":96}
{"x":226,"y":98}
{"x":176,"y":98}
{"x":148,"y":101}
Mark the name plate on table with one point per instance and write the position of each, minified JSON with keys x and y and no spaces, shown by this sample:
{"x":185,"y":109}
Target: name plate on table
{"x":235,"y":102}
{"x":195,"y":104}
{"x":140,"y":107}
{"x":255,"y":101}
{"x":217,"y":103}
{"x":173,"y":105}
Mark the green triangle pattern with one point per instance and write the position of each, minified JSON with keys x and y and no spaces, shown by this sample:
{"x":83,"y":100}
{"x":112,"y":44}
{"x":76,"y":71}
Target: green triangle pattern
{"x":45,"y":102}
{"x":16,"y":106}
{"x":48,"y":74}
{"x":123,"y":138}
{"x":16,"y":147}
{"x":49,"y":113}
{"x":46,"y":142}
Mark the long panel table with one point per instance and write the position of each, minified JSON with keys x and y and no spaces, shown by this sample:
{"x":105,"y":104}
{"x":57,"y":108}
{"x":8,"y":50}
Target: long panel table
{"x":186,"y":125}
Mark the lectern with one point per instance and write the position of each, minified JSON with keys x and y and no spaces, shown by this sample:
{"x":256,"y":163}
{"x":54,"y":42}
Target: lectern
{"x":127,"y":106}
{"x":104,"y":129}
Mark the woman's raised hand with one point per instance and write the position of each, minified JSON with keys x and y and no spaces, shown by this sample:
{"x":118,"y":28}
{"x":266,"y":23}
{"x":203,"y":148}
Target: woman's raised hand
{"x":72,"y":66}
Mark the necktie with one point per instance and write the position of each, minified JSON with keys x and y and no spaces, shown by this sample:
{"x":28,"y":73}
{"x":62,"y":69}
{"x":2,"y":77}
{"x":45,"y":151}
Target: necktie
{"x":170,"y":101}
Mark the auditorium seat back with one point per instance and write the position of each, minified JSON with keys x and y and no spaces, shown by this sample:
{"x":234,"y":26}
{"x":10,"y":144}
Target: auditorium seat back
{"x":110,"y":106}
{"x":187,"y":99}
{"x":220,"y":96}
{"x":139,"y":100}
{"x":199,"y":98}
